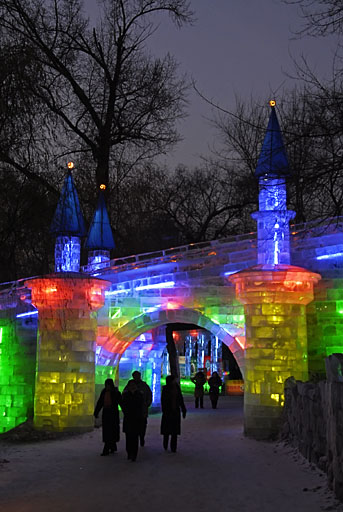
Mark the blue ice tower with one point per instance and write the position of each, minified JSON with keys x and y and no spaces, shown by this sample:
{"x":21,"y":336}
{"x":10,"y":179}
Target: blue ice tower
{"x":273,"y":217}
{"x":68,"y":225}
{"x":100,"y":238}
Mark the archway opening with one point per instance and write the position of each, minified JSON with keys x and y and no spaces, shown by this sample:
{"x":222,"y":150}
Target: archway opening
{"x":197,"y":346}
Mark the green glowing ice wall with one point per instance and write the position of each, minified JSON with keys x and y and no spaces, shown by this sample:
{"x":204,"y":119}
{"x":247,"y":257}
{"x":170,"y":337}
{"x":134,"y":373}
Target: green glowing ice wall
{"x":17,"y":370}
{"x":325,"y":324}
{"x":101,"y":374}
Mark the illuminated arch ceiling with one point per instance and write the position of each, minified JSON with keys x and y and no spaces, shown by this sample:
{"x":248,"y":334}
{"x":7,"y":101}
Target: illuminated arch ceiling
{"x":117,"y":342}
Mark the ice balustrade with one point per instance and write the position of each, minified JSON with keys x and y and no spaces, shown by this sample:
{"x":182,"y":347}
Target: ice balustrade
{"x":306,"y":236}
{"x":299,"y":236}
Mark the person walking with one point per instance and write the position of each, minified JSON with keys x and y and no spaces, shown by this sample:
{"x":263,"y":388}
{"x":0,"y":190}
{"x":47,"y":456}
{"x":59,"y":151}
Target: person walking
{"x":215,"y":382}
{"x":172,"y":404}
{"x":132,"y":406}
{"x":110,"y":398}
{"x":199,"y":380}
{"x":147,"y":401}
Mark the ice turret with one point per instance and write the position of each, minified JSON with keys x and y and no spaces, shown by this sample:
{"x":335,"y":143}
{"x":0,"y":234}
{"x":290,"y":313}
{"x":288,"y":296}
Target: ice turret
{"x":100,"y":239}
{"x":68,"y":225}
{"x":275,"y":295}
{"x":273,"y":217}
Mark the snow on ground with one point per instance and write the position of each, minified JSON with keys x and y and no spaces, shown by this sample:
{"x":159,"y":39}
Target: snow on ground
{"x":215,"y":467}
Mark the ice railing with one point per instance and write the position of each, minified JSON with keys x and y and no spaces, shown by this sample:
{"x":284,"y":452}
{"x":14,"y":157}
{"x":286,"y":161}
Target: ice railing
{"x":195,"y":250}
{"x":10,"y":293}
{"x":316,"y":228}
{"x":203,"y":249}
{"x":173,"y":254}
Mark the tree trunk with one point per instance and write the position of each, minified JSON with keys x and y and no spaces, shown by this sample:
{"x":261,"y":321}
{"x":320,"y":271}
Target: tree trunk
{"x":173,"y":357}
{"x":102,"y":158}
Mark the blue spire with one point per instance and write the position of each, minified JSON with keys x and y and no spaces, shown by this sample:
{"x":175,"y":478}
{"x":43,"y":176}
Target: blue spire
{"x":100,"y":232}
{"x":273,"y":160}
{"x":68,"y":219}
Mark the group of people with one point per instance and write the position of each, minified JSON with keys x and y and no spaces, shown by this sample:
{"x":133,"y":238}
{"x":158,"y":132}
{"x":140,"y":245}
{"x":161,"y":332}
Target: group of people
{"x":135,"y":401}
{"x":214,"y":382}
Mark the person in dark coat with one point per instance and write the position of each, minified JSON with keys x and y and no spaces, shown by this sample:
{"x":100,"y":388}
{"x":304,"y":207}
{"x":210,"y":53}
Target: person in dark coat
{"x":199,"y":380}
{"x":132,"y":406}
{"x":109,"y":400}
{"x":172,"y":405}
{"x":215,"y":382}
{"x":147,"y":401}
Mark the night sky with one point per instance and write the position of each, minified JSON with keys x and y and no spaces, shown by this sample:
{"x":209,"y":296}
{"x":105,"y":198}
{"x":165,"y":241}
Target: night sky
{"x":235,"y":47}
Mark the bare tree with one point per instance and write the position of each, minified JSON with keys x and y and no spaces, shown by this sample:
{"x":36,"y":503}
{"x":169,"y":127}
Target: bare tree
{"x":241,"y":133}
{"x":321,"y":17}
{"x":206,"y":203}
{"x":311,"y":123}
{"x":98,"y":82}
{"x":22,"y":122}
{"x":25,"y":245}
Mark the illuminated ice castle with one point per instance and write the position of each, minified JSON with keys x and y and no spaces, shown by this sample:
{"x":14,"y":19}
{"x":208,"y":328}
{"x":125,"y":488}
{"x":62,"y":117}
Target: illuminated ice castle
{"x":274,"y":298}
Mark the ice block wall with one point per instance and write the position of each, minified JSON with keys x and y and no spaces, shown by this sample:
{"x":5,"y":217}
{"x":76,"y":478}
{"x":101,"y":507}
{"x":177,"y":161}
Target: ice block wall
{"x":65,"y":371}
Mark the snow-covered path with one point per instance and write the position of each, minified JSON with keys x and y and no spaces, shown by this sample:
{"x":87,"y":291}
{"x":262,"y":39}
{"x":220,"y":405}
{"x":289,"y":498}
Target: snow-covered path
{"x":215,"y":468}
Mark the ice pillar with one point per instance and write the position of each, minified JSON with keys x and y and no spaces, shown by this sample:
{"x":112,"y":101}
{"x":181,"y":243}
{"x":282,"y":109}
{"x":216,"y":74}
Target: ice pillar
{"x":276,"y":339}
{"x":274,"y":295}
{"x":65,"y":368}
{"x":156,"y":362}
{"x":201,"y":352}
{"x":188,"y":355}
{"x":216,"y":355}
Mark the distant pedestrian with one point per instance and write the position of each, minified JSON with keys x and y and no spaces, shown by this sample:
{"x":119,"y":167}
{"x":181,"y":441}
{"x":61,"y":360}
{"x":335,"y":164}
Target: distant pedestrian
{"x":109,"y":400}
{"x":199,"y":380}
{"x":147,"y":401}
{"x":132,"y":406}
{"x":215,"y":382}
{"x":172,"y":405}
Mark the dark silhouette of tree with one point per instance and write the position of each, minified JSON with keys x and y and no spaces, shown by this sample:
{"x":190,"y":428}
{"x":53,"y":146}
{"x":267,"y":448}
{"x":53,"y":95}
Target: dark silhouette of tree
{"x":207,"y":202}
{"x":321,"y":104}
{"x":100,"y":88}
{"x":26,"y":248}
{"x":23,"y":125}
{"x":321,"y":17}
{"x":311,"y":123}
